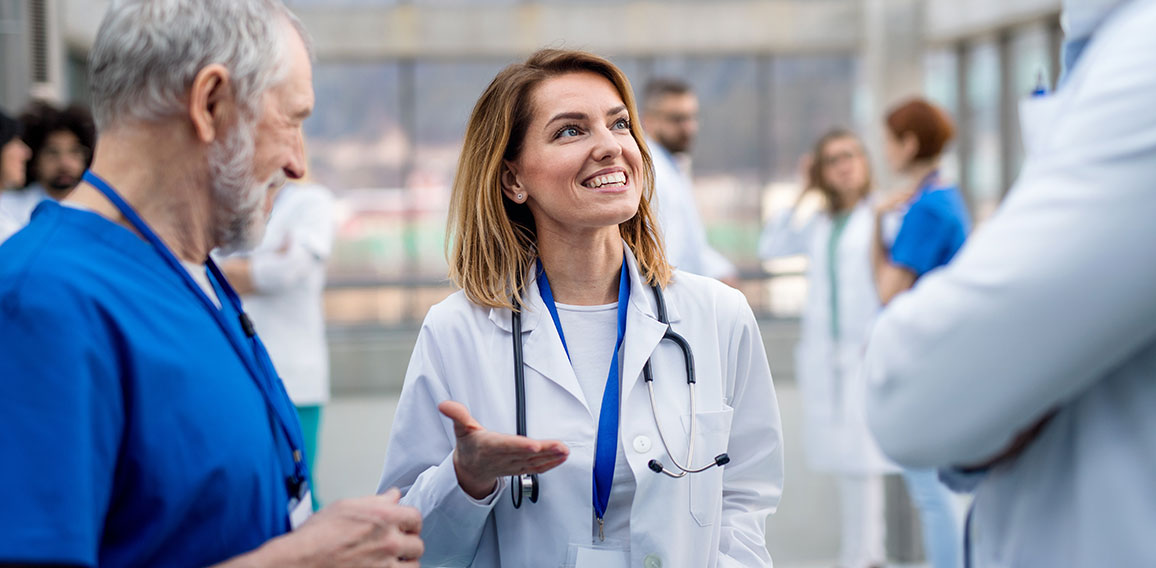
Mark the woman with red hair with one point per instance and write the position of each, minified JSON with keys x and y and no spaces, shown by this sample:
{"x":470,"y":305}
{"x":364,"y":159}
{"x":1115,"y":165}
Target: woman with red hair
{"x":918,"y":229}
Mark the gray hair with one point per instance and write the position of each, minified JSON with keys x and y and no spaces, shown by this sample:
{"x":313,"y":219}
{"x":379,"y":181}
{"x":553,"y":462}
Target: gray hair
{"x":148,"y":52}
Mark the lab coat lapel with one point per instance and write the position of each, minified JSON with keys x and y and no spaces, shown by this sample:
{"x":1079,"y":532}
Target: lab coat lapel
{"x":542,"y":347}
{"x":643,"y":330}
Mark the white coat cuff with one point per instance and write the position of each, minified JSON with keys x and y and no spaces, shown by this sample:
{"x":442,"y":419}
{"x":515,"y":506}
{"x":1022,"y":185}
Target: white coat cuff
{"x":457,"y":501}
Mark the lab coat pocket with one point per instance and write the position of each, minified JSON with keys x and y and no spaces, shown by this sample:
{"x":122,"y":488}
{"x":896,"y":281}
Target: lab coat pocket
{"x":711,"y":437}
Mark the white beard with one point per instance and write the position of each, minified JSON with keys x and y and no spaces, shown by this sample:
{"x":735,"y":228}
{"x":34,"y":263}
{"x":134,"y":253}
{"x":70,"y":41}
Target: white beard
{"x":239,"y":198}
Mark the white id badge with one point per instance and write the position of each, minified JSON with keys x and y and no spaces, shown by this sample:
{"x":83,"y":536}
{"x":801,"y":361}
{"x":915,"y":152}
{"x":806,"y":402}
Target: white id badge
{"x":300,"y":509}
{"x":589,"y":557}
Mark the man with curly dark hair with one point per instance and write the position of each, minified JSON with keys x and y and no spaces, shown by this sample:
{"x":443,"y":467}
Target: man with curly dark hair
{"x":61,"y":141}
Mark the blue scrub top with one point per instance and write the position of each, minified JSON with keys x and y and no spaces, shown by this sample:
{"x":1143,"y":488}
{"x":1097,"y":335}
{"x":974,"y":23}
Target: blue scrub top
{"x":933,"y":230}
{"x":131,"y":430}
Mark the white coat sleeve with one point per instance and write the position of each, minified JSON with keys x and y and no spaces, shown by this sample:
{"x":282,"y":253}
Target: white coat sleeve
{"x":753,"y":480}
{"x":1049,"y":295}
{"x":419,"y":461}
{"x":784,"y":236}
{"x":309,"y":241}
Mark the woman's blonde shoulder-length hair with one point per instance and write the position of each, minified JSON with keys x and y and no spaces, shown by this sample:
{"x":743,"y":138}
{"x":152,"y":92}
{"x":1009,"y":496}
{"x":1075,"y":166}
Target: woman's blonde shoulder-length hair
{"x":491,"y":240}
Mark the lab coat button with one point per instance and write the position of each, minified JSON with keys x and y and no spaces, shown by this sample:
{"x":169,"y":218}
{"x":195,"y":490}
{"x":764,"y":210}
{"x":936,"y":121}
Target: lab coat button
{"x":642,"y":445}
{"x":652,"y":561}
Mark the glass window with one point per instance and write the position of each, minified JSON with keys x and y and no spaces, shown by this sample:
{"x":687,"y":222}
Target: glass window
{"x":356,"y":136}
{"x":809,"y":96}
{"x":443,"y":98}
{"x":941,"y":86}
{"x":983,"y":101}
{"x":358,"y":147}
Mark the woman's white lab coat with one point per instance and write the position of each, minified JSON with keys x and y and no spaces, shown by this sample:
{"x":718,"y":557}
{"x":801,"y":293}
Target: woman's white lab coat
{"x":837,"y":438}
{"x":717,"y":518}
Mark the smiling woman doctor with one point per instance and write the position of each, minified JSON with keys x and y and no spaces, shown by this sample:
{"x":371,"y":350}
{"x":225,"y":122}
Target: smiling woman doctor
{"x":550,"y":219}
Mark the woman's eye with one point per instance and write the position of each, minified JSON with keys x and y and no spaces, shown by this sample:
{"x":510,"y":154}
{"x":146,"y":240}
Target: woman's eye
{"x":622,"y":124}
{"x":567,"y":131}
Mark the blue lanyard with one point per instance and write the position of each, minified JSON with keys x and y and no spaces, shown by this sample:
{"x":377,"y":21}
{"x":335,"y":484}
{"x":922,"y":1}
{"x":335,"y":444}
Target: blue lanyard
{"x":254,"y":356}
{"x":606,"y":446}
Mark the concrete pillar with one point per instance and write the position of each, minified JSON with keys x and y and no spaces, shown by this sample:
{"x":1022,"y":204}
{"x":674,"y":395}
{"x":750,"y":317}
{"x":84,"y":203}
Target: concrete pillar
{"x":892,"y":69}
{"x":14,"y":77}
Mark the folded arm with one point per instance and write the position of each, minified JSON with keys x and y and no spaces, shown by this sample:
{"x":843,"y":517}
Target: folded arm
{"x":1052,"y":293}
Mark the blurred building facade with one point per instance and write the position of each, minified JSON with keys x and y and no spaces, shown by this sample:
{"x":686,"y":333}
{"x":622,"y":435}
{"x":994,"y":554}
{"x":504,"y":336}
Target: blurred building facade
{"x":396,"y":81}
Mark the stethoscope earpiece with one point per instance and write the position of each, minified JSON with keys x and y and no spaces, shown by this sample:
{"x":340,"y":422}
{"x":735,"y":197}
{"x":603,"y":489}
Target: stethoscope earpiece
{"x":657,"y":467}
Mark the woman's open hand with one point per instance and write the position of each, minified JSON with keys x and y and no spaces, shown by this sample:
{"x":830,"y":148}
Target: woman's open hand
{"x":482,"y":456}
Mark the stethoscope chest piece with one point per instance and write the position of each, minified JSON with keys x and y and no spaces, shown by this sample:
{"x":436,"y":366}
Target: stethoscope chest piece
{"x":525,"y":486}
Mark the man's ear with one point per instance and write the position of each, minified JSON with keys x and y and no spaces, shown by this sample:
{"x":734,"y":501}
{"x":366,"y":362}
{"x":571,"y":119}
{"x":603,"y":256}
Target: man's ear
{"x":511,"y":185}
{"x":212,"y":103}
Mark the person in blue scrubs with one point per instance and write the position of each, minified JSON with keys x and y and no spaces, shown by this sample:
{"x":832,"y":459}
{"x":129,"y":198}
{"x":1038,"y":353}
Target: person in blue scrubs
{"x":920,"y":228}
{"x":141,"y":421}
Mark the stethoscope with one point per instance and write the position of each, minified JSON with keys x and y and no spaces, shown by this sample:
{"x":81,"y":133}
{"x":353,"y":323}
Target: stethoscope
{"x":526,"y":485}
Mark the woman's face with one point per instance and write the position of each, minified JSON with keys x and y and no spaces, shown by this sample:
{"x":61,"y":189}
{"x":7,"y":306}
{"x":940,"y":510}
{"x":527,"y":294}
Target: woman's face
{"x":845,"y":168}
{"x":13,"y":156}
{"x":580,"y":168}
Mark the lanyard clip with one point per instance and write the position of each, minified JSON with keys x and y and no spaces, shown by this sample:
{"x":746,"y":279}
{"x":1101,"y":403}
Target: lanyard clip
{"x":247,"y":325}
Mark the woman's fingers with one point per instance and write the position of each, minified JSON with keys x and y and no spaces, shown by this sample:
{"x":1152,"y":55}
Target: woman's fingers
{"x":505,"y":454}
{"x":487,"y":454}
{"x":464,"y":424}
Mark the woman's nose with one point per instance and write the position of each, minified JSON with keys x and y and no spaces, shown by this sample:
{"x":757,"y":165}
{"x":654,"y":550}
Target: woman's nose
{"x":606,"y":145}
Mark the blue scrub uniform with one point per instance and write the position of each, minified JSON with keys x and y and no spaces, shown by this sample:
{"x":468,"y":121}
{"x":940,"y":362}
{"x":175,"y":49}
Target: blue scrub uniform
{"x":933,"y":230}
{"x":132,"y":433}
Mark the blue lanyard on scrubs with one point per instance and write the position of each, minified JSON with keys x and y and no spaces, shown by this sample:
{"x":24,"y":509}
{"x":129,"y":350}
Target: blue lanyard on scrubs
{"x":606,"y":446}
{"x":254,"y":356}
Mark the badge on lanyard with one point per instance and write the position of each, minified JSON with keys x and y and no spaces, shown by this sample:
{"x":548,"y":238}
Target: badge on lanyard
{"x":300,"y":506}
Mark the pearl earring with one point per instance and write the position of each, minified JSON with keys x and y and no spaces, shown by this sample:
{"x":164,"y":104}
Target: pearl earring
{"x":520,"y":196}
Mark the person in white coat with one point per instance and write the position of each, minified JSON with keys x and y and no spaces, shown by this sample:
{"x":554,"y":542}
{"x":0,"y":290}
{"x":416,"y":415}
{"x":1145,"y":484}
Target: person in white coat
{"x":670,"y":118}
{"x":841,"y":305}
{"x":551,"y":219}
{"x":282,"y":283}
{"x":1041,"y":333}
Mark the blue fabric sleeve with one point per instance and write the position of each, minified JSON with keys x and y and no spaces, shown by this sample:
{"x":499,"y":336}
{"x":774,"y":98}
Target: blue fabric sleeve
{"x":922,"y":241}
{"x":61,"y":418}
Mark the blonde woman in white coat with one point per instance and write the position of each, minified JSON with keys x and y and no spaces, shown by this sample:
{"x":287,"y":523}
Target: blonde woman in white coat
{"x":841,"y":305}
{"x":551,"y":207}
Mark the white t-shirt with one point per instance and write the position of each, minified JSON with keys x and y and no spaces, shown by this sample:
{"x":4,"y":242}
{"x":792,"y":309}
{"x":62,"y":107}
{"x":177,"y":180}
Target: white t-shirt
{"x":591,"y":332}
{"x":200,"y":275}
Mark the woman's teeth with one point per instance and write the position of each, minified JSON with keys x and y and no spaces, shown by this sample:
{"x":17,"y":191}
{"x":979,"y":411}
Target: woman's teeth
{"x":616,"y":178}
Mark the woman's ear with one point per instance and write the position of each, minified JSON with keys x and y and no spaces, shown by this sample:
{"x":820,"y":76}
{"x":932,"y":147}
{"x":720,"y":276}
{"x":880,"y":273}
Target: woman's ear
{"x":910,"y":144}
{"x":511,"y":186}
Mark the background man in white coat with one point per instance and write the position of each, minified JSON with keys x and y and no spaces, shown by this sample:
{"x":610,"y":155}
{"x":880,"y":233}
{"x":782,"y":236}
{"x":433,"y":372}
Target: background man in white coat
{"x":670,"y":119}
{"x":1036,"y":374}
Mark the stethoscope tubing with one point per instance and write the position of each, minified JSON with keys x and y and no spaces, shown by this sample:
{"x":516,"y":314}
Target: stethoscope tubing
{"x":526,"y":485}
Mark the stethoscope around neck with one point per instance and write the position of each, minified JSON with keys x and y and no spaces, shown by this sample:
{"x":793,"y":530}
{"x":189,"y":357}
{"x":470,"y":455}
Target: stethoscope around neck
{"x":525,"y":486}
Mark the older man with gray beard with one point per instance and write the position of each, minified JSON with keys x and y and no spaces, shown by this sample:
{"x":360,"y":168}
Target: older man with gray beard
{"x":141,"y":420}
